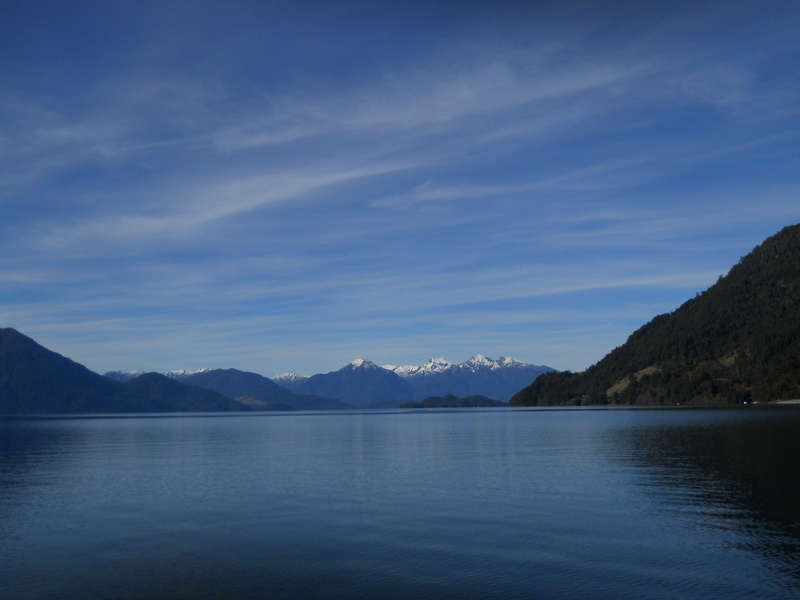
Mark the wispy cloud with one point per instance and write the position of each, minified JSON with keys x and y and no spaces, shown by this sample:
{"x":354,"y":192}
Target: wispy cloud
{"x":484,"y":190}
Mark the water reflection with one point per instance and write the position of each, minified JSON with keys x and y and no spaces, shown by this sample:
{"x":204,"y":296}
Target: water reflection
{"x":512,"y":504}
{"x":735,"y":469}
{"x":31,"y":450}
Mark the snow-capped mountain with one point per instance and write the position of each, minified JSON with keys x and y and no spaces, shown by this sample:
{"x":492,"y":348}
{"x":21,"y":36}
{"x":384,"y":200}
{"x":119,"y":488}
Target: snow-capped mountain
{"x":478,"y":361}
{"x":361,"y":382}
{"x":362,"y":363}
{"x":182,"y":374}
{"x":434,"y":365}
{"x":123,"y":376}
{"x":499,"y":379}
{"x":179,"y":375}
{"x":287,"y":380}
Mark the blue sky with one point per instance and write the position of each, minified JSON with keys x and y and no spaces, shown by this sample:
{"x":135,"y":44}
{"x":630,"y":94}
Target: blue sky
{"x":286,"y":186}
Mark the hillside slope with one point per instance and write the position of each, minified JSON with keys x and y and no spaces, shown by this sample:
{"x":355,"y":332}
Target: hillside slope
{"x":361,"y":384}
{"x":35,"y":380}
{"x":739,"y":341}
{"x":181,"y":396}
{"x":259,"y":392}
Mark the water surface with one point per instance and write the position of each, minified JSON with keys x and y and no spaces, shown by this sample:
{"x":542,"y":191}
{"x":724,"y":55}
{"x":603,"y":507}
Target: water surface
{"x":687,"y":503}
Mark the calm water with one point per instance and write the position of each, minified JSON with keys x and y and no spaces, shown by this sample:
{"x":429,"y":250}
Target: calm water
{"x":404,"y":504}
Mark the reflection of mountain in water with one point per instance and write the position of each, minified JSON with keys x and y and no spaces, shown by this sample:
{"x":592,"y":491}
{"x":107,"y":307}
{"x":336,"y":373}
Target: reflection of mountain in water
{"x":738,"y":466}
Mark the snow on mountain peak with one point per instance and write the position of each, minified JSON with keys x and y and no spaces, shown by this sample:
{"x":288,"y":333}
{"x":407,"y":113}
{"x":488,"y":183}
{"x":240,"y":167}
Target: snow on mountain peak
{"x":405,"y":370}
{"x":440,"y":365}
{"x":288,"y":377}
{"x":124,"y":375}
{"x":507,"y":361}
{"x":362,"y":363}
{"x":437,"y":364}
{"x":478,"y":361}
{"x":131,"y":374}
{"x":434,"y":365}
{"x":183,"y":373}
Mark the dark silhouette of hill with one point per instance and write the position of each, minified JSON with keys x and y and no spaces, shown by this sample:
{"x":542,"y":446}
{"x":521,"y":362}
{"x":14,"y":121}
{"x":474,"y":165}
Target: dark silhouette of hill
{"x":35,"y":380}
{"x":450,"y":401}
{"x":234,"y":383}
{"x":259,"y":392}
{"x":179,"y":396}
{"x":361,"y":383}
{"x":739,"y":341}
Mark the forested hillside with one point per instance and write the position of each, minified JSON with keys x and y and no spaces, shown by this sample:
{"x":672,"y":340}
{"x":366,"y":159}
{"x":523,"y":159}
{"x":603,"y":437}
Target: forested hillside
{"x":739,"y":341}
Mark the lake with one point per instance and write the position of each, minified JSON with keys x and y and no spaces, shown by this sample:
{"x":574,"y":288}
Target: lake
{"x":492,"y":503}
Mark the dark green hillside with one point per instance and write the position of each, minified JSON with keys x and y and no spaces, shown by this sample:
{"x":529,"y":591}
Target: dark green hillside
{"x":738,"y":341}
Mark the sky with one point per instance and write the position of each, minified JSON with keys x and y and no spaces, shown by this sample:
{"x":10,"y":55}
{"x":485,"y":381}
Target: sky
{"x":287,"y":186}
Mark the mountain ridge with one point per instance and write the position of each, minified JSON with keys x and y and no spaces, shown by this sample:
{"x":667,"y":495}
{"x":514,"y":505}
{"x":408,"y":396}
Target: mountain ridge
{"x":737,"y":342}
{"x":36,"y":380}
{"x":254,"y":390}
{"x":478,"y":376}
{"x":356,"y":383}
{"x":361,"y":383}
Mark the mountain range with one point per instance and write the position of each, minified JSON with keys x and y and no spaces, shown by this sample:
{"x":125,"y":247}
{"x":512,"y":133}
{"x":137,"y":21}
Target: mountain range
{"x":369,"y":384}
{"x":36,"y":380}
{"x":251,"y":389}
{"x":479,"y":376}
{"x":737,"y":342}
{"x":364,"y":384}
